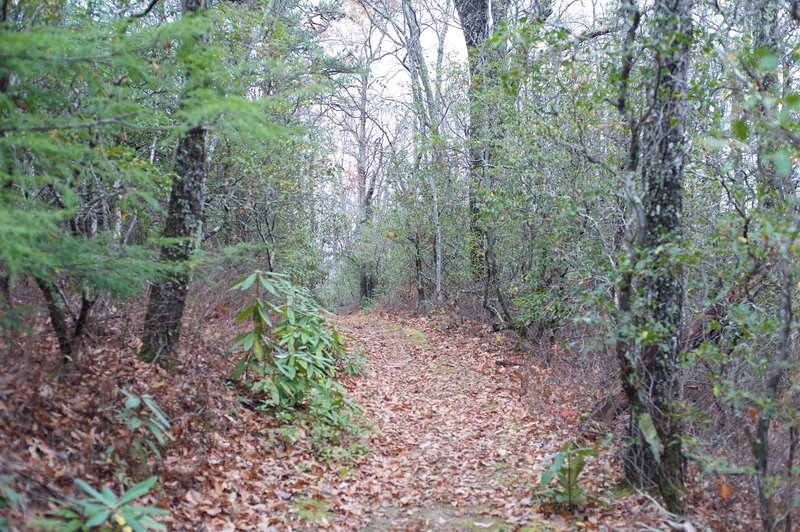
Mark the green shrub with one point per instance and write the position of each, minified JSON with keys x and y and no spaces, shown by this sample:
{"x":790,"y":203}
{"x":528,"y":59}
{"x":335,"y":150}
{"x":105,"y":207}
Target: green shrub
{"x":289,"y":366}
{"x":105,"y":509}
{"x":148,"y":426}
{"x":290,"y":350}
{"x":559,"y":483}
{"x":353,"y":362}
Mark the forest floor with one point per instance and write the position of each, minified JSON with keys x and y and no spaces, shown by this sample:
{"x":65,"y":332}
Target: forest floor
{"x":453,"y":440}
{"x":457,"y":447}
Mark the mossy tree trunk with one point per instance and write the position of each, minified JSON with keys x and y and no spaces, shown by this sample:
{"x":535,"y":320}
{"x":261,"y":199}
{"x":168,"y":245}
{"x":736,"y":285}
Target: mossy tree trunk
{"x":649,"y":365}
{"x":162,"y":323}
{"x":488,"y":102}
{"x":478,"y":20}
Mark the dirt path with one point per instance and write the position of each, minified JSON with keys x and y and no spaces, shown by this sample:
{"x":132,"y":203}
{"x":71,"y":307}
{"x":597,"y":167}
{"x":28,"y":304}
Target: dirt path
{"x":456,"y":445}
{"x":457,"y":449}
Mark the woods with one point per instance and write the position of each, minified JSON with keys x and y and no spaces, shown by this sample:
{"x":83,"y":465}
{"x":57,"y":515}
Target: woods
{"x":255,"y":229}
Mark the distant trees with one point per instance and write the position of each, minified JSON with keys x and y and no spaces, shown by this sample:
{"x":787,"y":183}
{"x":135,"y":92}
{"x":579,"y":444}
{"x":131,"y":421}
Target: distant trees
{"x":635,"y":221}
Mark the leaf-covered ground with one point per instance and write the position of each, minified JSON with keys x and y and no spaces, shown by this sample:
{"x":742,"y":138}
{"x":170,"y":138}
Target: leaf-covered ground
{"x":457,"y":447}
{"x":455,"y":441}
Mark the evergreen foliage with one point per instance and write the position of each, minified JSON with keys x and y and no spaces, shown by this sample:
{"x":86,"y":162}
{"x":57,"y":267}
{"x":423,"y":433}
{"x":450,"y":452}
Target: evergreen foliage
{"x":620,"y":185}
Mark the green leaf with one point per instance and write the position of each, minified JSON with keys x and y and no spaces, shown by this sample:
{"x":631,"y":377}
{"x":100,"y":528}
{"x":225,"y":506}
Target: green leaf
{"x":151,"y":523}
{"x":741,"y":130}
{"x":650,"y":435}
{"x":238,"y":371}
{"x":783,"y":165}
{"x":132,"y":519}
{"x":245,"y":313}
{"x":555,"y":466}
{"x":767,"y":59}
{"x":288,"y":370}
{"x":138,"y":490}
{"x":576,"y":465}
{"x":268,"y":285}
{"x":89,"y":490}
{"x":132,"y":401}
{"x":156,"y":431}
{"x":258,"y":346}
{"x":110,"y":499}
{"x":98,"y":519}
{"x":247,"y":341}
{"x":261,"y":313}
{"x":246,"y":283}
{"x":275,"y":394}
{"x":162,"y":419}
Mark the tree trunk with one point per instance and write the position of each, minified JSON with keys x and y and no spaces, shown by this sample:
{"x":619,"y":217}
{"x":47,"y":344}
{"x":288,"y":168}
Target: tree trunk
{"x":426,"y":104}
{"x":162,"y":323}
{"x":648,"y":371}
{"x":477,"y":26}
{"x":763,"y":16}
{"x":58,"y":317}
{"x":438,"y":247}
{"x":418,"y":270}
{"x":487,"y":101}
{"x":366,"y":182}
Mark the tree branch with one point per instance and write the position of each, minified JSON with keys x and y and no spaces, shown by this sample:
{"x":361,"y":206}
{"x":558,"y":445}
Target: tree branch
{"x":146,"y":11}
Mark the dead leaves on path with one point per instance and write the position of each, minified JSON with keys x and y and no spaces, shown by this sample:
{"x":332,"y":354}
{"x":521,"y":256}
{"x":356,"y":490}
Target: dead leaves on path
{"x":456,"y":443}
{"x":454,"y":428}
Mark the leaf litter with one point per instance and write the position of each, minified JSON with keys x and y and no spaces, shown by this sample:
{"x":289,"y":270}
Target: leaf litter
{"x":454,"y":443}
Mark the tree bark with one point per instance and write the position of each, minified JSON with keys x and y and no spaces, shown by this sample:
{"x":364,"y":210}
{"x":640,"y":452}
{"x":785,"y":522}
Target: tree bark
{"x":366,"y":185}
{"x":487,"y":99}
{"x":58,"y":317}
{"x":648,"y":370}
{"x":763,"y":15}
{"x":427,"y":106}
{"x":477,"y":24}
{"x":418,"y":270}
{"x":162,"y":324}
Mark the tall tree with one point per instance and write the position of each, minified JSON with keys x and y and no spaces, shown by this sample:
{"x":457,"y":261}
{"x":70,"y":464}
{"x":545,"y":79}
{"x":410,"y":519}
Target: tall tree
{"x":361,"y":121}
{"x":426,"y":99}
{"x":162,"y":323}
{"x":488,"y":99}
{"x":649,"y":365}
{"x":776,"y":199}
{"x":479,"y":18}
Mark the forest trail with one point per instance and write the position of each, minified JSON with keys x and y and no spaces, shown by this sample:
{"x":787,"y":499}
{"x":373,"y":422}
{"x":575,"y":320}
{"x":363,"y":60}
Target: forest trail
{"x":456,"y":447}
{"x":452,"y":443}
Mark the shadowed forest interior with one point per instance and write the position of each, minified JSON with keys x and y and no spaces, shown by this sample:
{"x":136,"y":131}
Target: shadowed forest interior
{"x":399,"y":265}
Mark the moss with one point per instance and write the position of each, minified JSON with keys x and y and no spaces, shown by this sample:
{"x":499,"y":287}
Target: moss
{"x":407,"y":335}
{"x":312,"y":509}
{"x":623,"y":490}
{"x":412,"y":336}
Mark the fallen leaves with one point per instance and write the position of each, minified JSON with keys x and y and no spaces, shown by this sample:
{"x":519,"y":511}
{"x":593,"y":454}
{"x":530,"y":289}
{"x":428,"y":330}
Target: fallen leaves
{"x":455,"y":443}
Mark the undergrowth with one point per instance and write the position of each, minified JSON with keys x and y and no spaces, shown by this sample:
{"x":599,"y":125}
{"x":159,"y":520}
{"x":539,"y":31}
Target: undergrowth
{"x":290,"y":359}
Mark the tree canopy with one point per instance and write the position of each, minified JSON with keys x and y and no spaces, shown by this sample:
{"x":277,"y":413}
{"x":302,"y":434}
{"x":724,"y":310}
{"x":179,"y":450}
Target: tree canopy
{"x":610,"y":186}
